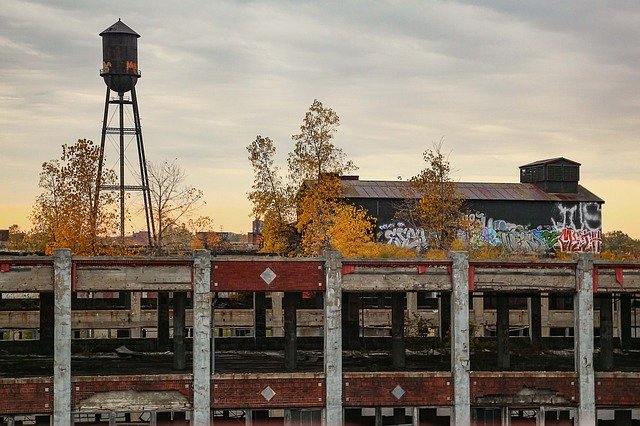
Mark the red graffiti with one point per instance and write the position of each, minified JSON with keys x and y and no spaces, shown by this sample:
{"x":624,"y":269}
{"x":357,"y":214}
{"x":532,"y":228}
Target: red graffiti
{"x":571,"y":240}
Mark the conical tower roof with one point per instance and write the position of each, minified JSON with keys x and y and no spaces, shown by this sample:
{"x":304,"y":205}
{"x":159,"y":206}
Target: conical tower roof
{"x":119,"y":28}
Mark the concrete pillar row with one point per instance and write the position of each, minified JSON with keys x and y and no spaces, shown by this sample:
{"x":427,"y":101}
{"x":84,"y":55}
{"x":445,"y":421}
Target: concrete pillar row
{"x":583,"y":341}
{"x":202,"y":343}
{"x":460,"y":339}
{"x":62,"y":337}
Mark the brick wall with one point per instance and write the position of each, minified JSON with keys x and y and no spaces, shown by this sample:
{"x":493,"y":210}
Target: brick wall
{"x":376,"y":389}
{"x":524,"y":389}
{"x":245,"y":276}
{"x":295,"y":390}
{"x":618,"y":389}
{"x":85,"y":386}
{"x":28,"y":395}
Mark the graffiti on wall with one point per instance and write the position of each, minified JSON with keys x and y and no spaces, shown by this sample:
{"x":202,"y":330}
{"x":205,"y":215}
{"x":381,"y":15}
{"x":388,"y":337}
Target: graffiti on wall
{"x":572,"y":228}
{"x":401,"y":235}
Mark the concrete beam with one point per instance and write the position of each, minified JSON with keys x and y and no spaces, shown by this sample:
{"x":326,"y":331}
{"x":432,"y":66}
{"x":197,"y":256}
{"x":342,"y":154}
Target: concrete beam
{"x":396,"y":279}
{"x":333,"y":413}
{"x":202,"y":350}
{"x":62,"y":338}
{"x":27,"y":279}
{"x":460,"y":339}
{"x":583,"y":341}
{"x":133,"y":278}
{"x":517,"y":280}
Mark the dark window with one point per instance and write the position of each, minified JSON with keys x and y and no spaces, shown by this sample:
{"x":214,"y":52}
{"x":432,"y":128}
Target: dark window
{"x":560,"y":302}
{"x":571,"y":173}
{"x":554,"y":172}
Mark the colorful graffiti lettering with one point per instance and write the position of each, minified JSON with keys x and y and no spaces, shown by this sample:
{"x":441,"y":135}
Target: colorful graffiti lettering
{"x":399,"y":234}
{"x":582,"y":240}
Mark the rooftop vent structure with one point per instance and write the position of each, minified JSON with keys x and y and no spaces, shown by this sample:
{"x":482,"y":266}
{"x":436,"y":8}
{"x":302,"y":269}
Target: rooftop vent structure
{"x":557,"y":175}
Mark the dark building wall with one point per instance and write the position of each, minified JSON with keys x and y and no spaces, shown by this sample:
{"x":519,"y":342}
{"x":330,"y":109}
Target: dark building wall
{"x":523,"y":226}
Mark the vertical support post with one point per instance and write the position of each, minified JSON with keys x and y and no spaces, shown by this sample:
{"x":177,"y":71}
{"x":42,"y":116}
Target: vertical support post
{"x":415,"y":416}
{"x":625,"y":321}
{"x":277,"y":314}
{"x":606,"y":332}
{"x":248,"y":418}
{"x":62,"y":337}
{"x":502,"y":331}
{"x":460,"y":339}
{"x":46,"y":323}
{"x":445,"y":314}
{"x":583,"y":341}
{"x":136,"y":314}
{"x":397,"y":330}
{"x":260,"y":318}
{"x":333,"y":414}
{"x":179,"y":349}
{"x":535,"y":320}
{"x":290,"y":329}
{"x":202,"y":352}
{"x":163,"y":321}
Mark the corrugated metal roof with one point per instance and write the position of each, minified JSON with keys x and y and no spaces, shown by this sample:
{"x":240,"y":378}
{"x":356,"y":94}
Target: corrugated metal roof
{"x":471,"y":190}
{"x":549,"y":161}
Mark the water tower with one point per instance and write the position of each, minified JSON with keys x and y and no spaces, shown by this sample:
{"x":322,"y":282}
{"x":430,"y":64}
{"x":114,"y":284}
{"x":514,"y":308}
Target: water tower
{"x":120,"y":73}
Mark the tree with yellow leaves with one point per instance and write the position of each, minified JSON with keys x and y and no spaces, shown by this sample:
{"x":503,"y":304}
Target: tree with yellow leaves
{"x":311,"y":197}
{"x":63,"y":213}
{"x":438,"y":210}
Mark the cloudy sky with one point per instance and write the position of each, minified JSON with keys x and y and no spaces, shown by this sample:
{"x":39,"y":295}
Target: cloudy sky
{"x":504,"y":82}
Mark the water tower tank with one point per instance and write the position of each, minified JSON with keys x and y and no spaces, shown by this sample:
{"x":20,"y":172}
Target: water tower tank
{"x":120,"y":57}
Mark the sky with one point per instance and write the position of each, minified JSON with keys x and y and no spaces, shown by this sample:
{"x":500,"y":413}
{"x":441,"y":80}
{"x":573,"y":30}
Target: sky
{"x":504,"y":82}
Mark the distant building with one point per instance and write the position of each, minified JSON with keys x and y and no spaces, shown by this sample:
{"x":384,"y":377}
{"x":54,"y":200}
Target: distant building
{"x":547,"y":211}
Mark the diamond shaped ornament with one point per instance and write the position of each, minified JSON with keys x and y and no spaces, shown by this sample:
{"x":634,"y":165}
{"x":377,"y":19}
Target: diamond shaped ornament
{"x":398,"y":392}
{"x":268,"y":276}
{"x":268,"y":393}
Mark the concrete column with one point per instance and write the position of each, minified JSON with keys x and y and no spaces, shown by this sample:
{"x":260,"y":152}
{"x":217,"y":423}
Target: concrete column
{"x":62,"y":337}
{"x":46,"y":323}
{"x":583,"y":341}
{"x":136,"y":314}
{"x":535,"y":320}
{"x":179,"y":349}
{"x":163,"y":321}
{"x":461,"y":414}
{"x":625,"y":321}
{"x":290,"y":329}
{"x":202,"y":351}
{"x":378,"y":414}
{"x":606,"y":332}
{"x":260,"y":318}
{"x":277,"y":314}
{"x":502,"y":331}
{"x":412,"y":304}
{"x":397,"y":330}
{"x":333,"y":340}
{"x":415,"y":416}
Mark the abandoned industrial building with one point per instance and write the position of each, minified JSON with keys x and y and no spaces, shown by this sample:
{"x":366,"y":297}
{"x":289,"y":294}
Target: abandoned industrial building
{"x":227,"y":339}
{"x":254,"y":339}
{"x":371,"y":342}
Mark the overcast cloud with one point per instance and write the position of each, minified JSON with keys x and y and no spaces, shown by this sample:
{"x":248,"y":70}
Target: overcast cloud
{"x":505,"y":83}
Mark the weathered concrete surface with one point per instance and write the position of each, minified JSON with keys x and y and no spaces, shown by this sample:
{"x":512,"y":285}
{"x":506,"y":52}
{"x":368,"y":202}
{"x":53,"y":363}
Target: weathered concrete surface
{"x":62,"y":338}
{"x":396,"y":279}
{"x":333,"y":413}
{"x":25,"y":279}
{"x":128,"y":401}
{"x":518,"y":280}
{"x":460,"y":339}
{"x":583,"y":341}
{"x":133,"y":278}
{"x":202,"y":350}
{"x":608,"y":282}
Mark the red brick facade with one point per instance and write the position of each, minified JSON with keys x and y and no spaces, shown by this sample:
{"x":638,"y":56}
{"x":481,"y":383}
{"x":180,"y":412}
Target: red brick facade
{"x":239,"y":275}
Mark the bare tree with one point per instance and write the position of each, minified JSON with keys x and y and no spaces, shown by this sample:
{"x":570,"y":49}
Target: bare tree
{"x":173,"y":202}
